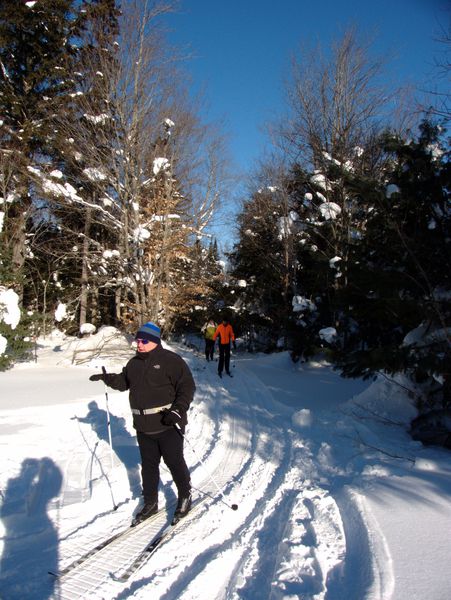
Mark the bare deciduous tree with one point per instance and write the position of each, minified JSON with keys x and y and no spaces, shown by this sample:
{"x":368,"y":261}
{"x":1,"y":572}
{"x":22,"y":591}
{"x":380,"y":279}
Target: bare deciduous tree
{"x":442,"y":106}
{"x":336,"y":102}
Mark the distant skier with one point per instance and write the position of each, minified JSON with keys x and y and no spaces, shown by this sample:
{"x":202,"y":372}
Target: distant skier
{"x":208,"y":329}
{"x":161,"y":389}
{"x":226,"y":336}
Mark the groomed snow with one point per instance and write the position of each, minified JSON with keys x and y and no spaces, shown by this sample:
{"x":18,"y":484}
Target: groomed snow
{"x":335,"y":499}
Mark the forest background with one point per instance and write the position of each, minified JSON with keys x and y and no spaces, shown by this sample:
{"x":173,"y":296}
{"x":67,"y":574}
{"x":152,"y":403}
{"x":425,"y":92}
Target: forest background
{"x":110,"y":180}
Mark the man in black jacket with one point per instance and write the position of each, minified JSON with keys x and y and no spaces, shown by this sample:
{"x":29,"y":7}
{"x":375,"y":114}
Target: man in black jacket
{"x":161,"y":388}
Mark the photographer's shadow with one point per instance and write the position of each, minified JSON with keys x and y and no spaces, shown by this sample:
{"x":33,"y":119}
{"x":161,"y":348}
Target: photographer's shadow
{"x":30,"y":546}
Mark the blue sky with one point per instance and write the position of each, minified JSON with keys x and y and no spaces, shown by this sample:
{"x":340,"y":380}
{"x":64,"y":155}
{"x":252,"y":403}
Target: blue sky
{"x":242,"y":51}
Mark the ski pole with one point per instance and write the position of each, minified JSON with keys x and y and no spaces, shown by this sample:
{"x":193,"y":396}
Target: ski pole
{"x":232,"y":506}
{"x":108,"y":419}
{"x":203,"y":492}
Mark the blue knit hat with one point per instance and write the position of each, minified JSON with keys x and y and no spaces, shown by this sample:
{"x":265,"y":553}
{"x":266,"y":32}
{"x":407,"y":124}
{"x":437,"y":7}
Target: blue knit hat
{"x":149,"y":331}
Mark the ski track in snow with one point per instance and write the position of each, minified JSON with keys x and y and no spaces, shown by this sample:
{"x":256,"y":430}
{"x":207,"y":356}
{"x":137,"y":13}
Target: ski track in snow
{"x":296,"y":506}
{"x":289,"y":537}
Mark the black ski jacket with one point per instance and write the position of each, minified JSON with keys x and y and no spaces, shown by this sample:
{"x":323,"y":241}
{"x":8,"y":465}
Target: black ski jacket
{"x":159,"y":378}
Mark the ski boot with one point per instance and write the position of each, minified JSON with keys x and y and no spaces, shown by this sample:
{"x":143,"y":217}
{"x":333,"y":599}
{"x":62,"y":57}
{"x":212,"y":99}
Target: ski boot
{"x":183,"y":507}
{"x":149,"y":509}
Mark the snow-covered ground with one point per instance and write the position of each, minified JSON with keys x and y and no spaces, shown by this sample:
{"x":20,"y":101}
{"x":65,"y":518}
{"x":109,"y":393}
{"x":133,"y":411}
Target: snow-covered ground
{"x":335,"y":501}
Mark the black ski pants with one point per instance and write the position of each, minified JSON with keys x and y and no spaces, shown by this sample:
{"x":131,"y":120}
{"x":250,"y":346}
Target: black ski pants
{"x":224,"y":358}
{"x":169,"y":446}
{"x":209,"y":349}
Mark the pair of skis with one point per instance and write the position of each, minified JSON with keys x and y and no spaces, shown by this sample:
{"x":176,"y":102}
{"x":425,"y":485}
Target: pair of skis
{"x":151,"y":548}
{"x":143,"y":555}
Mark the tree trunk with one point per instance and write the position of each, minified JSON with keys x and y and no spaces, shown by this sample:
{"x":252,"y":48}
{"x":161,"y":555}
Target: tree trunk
{"x":84,"y":270}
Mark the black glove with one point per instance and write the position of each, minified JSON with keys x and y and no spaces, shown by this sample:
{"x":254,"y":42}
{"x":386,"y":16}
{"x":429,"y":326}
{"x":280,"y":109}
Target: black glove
{"x":234,"y":344}
{"x":97,"y":377}
{"x":170,"y":417}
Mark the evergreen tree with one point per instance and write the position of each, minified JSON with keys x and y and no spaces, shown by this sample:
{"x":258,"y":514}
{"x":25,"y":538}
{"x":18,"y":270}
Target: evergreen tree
{"x":35,"y":42}
{"x":401,"y":279}
{"x":333,"y":204}
{"x":262,"y":260}
{"x":213,"y":275}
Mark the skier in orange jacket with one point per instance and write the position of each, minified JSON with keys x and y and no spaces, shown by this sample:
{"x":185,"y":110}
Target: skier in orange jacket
{"x":226,"y":336}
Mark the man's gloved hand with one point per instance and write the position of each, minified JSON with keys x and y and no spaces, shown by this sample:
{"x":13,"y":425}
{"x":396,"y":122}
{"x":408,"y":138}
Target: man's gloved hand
{"x":234,"y":344}
{"x":170,"y":417}
{"x":97,"y":377}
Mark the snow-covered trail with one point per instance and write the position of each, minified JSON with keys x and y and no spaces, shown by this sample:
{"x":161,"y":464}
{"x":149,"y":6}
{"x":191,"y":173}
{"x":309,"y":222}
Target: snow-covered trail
{"x":313,"y":479}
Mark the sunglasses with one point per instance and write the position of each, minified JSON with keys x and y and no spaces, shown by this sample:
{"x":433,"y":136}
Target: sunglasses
{"x":140,"y":341}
